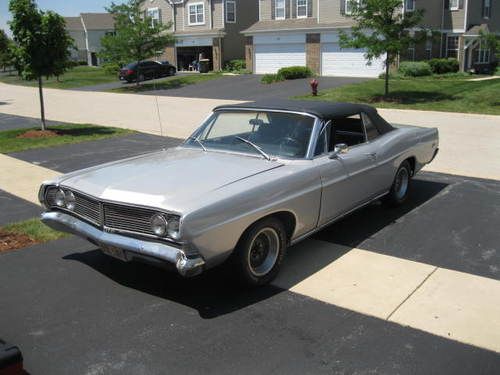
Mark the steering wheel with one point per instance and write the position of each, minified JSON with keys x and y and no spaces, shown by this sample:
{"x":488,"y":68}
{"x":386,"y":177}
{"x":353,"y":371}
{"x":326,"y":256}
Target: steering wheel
{"x":290,"y":141}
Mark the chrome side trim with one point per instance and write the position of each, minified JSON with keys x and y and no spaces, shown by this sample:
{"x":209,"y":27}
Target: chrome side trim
{"x":66,"y":223}
{"x":337,"y":218}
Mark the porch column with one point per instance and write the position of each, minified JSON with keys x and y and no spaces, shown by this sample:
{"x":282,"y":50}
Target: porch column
{"x":313,"y":52}
{"x":461,"y":53}
{"x":249,"y":53}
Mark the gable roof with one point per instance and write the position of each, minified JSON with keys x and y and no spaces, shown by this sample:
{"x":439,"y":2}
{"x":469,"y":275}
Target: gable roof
{"x":73,"y":23}
{"x":98,"y":21}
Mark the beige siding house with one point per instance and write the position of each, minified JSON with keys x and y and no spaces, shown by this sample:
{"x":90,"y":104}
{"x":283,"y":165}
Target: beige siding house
{"x":87,"y":31}
{"x":306,"y":32}
{"x":209,"y":29}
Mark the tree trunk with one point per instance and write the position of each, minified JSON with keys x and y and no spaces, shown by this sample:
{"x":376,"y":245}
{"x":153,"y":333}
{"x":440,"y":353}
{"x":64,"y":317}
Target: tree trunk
{"x":387,"y":65}
{"x":42,"y":106}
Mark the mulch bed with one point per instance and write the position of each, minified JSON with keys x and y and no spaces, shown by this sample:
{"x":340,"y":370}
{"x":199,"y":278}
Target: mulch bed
{"x":13,"y":241}
{"x":39,"y":134}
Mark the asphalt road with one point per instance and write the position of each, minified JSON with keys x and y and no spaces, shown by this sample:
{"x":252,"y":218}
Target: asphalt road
{"x":73,"y":310}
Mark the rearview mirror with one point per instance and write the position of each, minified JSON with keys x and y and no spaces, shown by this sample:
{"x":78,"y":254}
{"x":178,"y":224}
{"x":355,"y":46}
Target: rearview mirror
{"x":340,"y":148}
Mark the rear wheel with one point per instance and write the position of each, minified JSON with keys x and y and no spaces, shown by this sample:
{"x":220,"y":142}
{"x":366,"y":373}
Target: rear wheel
{"x":171,"y":72}
{"x":260,"y":252}
{"x":401,"y":186}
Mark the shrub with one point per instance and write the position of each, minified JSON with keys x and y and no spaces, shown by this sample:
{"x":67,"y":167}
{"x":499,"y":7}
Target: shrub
{"x":270,"y":78}
{"x":294,"y":72}
{"x":235,"y":65}
{"x":442,"y":66}
{"x":111,"y":68}
{"x":415,"y":69}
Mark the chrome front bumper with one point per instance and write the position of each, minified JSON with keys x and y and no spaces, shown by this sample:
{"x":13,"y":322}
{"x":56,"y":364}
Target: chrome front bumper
{"x":66,"y":223}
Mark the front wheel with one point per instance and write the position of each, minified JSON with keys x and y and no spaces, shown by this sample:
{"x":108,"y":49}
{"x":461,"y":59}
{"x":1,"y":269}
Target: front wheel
{"x":401,"y":186}
{"x":260,"y":252}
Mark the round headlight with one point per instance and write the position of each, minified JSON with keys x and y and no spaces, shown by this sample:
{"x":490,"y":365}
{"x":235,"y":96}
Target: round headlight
{"x":70,"y":200}
{"x":60,"y":198}
{"x":173,"y":228}
{"x":159,"y":225}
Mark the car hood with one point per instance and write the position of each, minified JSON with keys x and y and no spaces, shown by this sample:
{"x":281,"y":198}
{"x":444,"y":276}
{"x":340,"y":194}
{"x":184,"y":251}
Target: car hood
{"x":166,"y":179}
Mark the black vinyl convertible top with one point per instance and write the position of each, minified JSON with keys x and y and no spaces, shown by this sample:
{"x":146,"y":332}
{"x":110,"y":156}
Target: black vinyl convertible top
{"x":323,"y":110}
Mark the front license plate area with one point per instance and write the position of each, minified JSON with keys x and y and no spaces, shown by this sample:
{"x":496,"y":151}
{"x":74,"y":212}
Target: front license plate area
{"x":115,"y":252}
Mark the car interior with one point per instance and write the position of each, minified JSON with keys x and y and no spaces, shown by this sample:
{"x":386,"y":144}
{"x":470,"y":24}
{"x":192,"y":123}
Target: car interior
{"x":349,"y":130}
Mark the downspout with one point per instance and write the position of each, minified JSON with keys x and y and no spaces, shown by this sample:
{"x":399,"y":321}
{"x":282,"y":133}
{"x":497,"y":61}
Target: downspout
{"x":317,"y":4}
{"x":466,"y":8}
{"x":210,"y":13}
{"x":442,"y":28}
{"x":86,"y":41}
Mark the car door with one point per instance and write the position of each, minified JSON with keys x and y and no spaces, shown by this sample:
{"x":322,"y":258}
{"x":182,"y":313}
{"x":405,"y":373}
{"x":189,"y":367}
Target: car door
{"x":349,"y":177}
{"x":335,"y":189}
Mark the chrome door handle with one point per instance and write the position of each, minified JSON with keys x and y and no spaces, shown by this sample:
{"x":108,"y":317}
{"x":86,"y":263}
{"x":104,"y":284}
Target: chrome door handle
{"x":372,"y":155}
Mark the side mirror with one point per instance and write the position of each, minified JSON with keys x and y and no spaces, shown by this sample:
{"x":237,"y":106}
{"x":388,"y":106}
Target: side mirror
{"x":340,"y":148}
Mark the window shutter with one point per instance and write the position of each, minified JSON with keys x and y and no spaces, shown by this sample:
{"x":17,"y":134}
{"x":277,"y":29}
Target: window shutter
{"x":461,"y":4}
{"x":294,"y":8}
{"x":342,"y":7}
{"x":273,"y":9}
{"x":160,"y":19}
{"x":309,"y":8}
{"x":446,"y":4}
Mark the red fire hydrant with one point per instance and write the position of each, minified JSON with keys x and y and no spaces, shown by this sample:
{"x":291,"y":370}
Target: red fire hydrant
{"x":314,"y":87}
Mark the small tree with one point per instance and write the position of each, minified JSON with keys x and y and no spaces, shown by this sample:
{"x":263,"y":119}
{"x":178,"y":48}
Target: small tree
{"x":5,"y":50}
{"x":382,"y":28}
{"x":42,"y":44}
{"x":491,"y":41}
{"x":136,"y":37}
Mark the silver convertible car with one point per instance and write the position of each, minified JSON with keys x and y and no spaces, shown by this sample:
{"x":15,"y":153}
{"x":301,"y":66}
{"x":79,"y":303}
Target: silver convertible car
{"x":251,"y":181}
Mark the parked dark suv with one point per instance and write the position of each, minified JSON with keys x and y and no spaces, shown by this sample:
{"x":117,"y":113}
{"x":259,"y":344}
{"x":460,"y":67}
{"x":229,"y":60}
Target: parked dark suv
{"x":146,"y":70}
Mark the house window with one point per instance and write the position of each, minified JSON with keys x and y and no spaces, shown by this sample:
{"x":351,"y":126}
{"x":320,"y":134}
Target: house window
{"x":301,"y":8}
{"x":411,"y":53}
{"x":230,"y":11}
{"x":486,"y":8}
{"x":279,"y":10}
{"x":428,"y":48}
{"x":348,"y":5}
{"x":454,"y":4}
{"x":483,"y":55}
{"x":452,"y":47}
{"x":154,"y":14}
{"x":409,"y":5}
{"x":197,"y":14}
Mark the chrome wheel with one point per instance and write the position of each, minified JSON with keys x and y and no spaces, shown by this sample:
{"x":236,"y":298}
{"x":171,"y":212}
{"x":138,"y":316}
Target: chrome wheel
{"x":401,"y":183}
{"x":264,"y":250}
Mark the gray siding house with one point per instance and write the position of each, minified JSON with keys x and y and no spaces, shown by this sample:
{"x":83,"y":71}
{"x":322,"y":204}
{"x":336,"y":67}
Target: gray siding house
{"x":211,"y":28}
{"x":306,"y":32}
{"x":87,"y":31}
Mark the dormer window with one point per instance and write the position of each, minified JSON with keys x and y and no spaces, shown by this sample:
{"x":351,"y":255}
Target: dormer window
{"x":197,"y":14}
{"x":279,"y":11}
{"x":301,"y":8}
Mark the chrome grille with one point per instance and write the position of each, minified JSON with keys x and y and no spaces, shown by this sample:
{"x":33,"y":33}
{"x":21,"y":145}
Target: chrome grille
{"x":128,"y":218}
{"x":87,"y":208}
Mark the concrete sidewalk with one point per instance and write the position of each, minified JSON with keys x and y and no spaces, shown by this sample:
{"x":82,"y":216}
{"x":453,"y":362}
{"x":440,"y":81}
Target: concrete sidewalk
{"x":469,"y":143}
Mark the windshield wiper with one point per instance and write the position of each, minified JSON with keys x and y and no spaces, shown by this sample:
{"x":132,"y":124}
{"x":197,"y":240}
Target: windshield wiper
{"x":197,"y":140}
{"x":254,"y":146}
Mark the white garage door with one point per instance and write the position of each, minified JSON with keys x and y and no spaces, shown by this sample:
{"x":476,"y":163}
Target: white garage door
{"x":348,"y":62}
{"x":269,"y":58}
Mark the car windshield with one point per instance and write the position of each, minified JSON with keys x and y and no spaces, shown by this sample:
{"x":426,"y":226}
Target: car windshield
{"x":274,"y":133}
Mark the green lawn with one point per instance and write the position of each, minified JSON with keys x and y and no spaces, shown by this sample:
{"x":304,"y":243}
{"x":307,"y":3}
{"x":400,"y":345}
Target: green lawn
{"x":77,"y":77}
{"x":449,"y":94}
{"x":35,"y":230}
{"x":169,"y":83}
{"x":10,"y":141}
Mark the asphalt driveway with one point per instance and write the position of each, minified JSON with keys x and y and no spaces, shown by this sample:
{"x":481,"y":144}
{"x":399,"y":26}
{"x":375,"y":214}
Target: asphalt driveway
{"x":248,"y":87}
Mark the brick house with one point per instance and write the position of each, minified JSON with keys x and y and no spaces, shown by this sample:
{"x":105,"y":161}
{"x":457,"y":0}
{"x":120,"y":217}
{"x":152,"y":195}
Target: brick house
{"x":305,"y":32}
{"x":211,"y":28}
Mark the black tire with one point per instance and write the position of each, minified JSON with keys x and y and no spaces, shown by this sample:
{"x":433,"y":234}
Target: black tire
{"x":248,"y":253}
{"x":400,"y":186}
{"x":141,"y":78}
{"x":171,"y":72}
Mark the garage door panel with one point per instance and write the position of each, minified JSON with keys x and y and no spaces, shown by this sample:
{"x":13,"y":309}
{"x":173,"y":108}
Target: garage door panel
{"x":269,"y":58}
{"x":348,"y":62}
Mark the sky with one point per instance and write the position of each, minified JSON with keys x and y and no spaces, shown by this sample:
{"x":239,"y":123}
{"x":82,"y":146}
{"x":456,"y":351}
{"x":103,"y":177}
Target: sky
{"x":63,"y":7}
